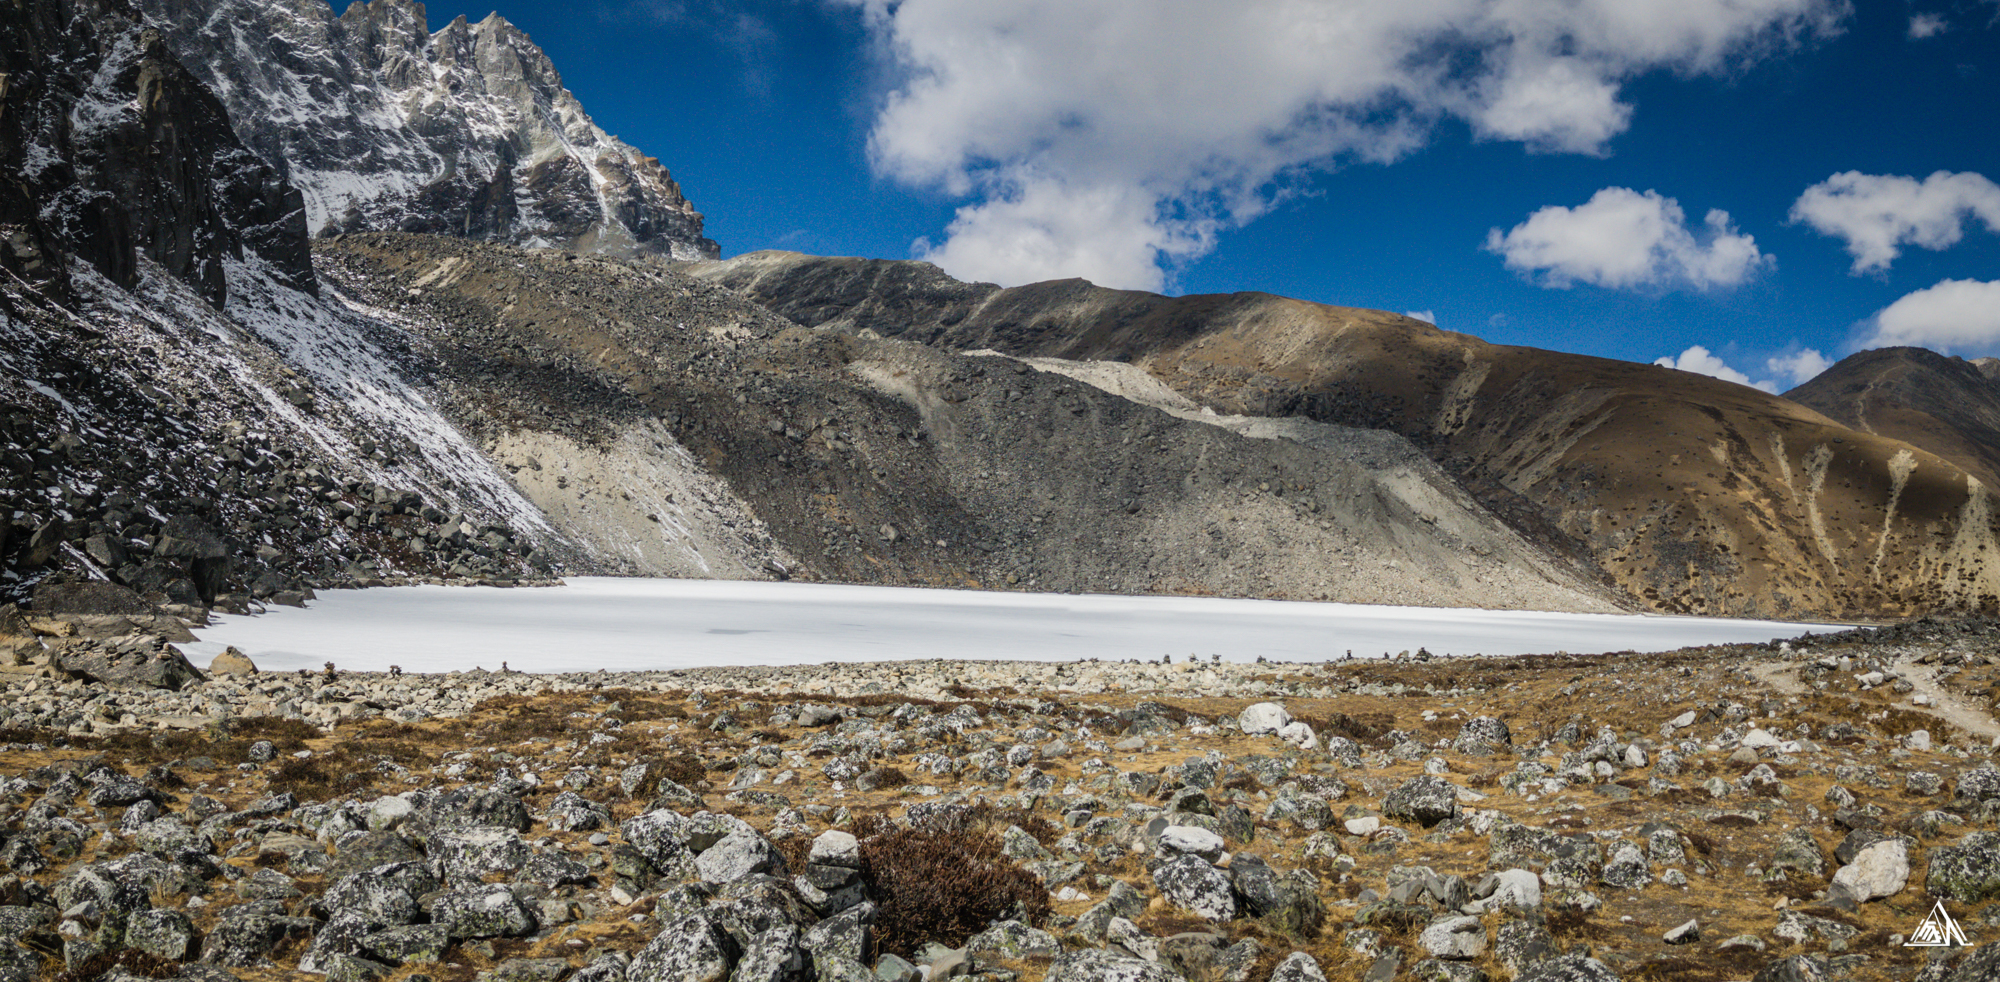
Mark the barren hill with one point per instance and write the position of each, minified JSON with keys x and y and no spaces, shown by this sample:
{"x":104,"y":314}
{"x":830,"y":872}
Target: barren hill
{"x":1690,"y":493}
{"x":607,"y":387}
{"x":1946,"y":405}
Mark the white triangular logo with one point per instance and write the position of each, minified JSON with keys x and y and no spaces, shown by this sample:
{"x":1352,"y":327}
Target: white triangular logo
{"x":1937,"y":930}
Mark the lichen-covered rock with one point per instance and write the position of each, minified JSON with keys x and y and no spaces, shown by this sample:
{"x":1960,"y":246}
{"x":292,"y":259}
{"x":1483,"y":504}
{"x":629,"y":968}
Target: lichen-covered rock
{"x":1099,"y":965}
{"x":1798,"y":851}
{"x":492,"y":912}
{"x":1190,"y":883}
{"x":1426,"y":800}
{"x":1568,"y":968}
{"x":469,"y":854}
{"x":1796,"y":968}
{"x":408,"y":944}
{"x":1454,"y":938}
{"x":246,"y":932}
{"x":690,"y":948}
{"x":372,"y":897}
{"x":1627,"y":869}
{"x":1298,"y":967}
{"x":1967,"y":871}
{"x":1013,"y":940}
{"x":774,"y":955}
{"x":738,"y":855}
{"x":571,"y":812}
{"x":1488,"y":732}
{"x":162,"y":933}
{"x":464,"y":808}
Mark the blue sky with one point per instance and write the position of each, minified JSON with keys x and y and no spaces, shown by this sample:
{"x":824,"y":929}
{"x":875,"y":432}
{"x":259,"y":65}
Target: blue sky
{"x":1532,"y":173}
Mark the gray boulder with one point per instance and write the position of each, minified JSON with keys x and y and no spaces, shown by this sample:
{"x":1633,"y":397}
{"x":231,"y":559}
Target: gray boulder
{"x":1489,"y":732}
{"x":1298,"y":967}
{"x":772,"y":956}
{"x":371,"y":897}
{"x":473,"y":807}
{"x":1880,"y":870}
{"x":1262,"y":718}
{"x":492,"y":912}
{"x":162,"y":933}
{"x":1569,"y":968}
{"x":1967,"y":871}
{"x":247,"y":932}
{"x":690,"y":948}
{"x":1193,"y":885}
{"x":1796,"y":968}
{"x":738,"y":855}
{"x":1978,"y":785}
{"x":1426,"y":800}
{"x":1454,"y":938}
{"x":571,"y":812}
{"x":1014,"y":941}
{"x":1099,"y":965}
{"x":469,"y":854}
{"x":408,"y":944}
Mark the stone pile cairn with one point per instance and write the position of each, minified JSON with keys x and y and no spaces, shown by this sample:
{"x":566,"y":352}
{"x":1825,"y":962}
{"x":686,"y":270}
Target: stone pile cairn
{"x":1767,"y":813}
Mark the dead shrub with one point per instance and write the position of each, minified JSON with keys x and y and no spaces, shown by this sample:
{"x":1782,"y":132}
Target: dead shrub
{"x":683,"y":769}
{"x":1574,"y":924}
{"x":126,"y":962}
{"x":796,"y":850}
{"x":942,"y":881}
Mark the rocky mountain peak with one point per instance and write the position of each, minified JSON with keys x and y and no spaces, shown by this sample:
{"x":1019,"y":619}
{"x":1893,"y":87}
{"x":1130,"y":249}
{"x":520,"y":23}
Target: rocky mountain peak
{"x":468,"y":132}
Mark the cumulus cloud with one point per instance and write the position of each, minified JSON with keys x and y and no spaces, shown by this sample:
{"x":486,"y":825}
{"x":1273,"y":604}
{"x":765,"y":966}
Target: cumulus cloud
{"x":1700,"y":361}
{"x":1788,"y":370}
{"x":1926,"y":26}
{"x":1623,"y":240}
{"x":1179,"y":119}
{"x":1799,"y":367}
{"x":1877,"y":214}
{"x":1955,"y":316}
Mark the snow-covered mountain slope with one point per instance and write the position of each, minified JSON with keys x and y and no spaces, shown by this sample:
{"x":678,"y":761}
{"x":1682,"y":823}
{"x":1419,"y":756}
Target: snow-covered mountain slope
{"x":183,"y":410}
{"x":466,"y":132}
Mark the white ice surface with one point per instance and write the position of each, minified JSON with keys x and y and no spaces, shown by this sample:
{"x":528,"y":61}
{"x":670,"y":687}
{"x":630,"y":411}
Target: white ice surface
{"x":657,"y":624}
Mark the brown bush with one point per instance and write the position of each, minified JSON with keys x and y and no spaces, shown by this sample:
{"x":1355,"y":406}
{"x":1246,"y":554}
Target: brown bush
{"x":797,"y":851}
{"x":942,"y":881}
{"x":132,"y":961}
{"x":1574,"y":923}
{"x":890,"y":777}
{"x":683,"y":769}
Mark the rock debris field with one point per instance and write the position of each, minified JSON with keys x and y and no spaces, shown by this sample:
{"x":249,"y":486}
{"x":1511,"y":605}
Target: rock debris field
{"x":1780,"y":813}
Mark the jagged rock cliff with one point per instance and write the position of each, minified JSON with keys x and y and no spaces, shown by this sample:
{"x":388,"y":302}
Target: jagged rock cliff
{"x":119,"y":153}
{"x":466,"y":132}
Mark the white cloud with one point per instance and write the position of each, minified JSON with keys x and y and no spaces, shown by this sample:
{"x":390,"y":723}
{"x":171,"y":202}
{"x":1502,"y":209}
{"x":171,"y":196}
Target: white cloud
{"x":1698,"y":360}
{"x":1876,"y":214}
{"x":1042,"y":230}
{"x":1181,"y":118}
{"x":1790,"y":369}
{"x":1622,"y":240}
{"x":1427,"y":316}
{"x":1955,"y":317}
{"x":1799,"y":367}
{"x":1927,"y":25}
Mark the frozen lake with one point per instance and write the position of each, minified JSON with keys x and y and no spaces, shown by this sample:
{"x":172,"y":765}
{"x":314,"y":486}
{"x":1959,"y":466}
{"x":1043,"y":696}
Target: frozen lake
{"x":652,"y":624}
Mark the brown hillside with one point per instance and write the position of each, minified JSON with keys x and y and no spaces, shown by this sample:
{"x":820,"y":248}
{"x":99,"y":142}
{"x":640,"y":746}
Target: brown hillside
{"x":1692,"y":494}
{"x":1946,"y":405}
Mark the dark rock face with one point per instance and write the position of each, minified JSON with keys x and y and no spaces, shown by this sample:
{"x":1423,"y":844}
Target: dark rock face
{"x":121,"y":151}
{"x":149,"y":665}
{"x":383,"y":125}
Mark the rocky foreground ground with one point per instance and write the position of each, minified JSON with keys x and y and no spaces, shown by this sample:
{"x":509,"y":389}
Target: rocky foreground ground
{"x":1782,"y":813}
